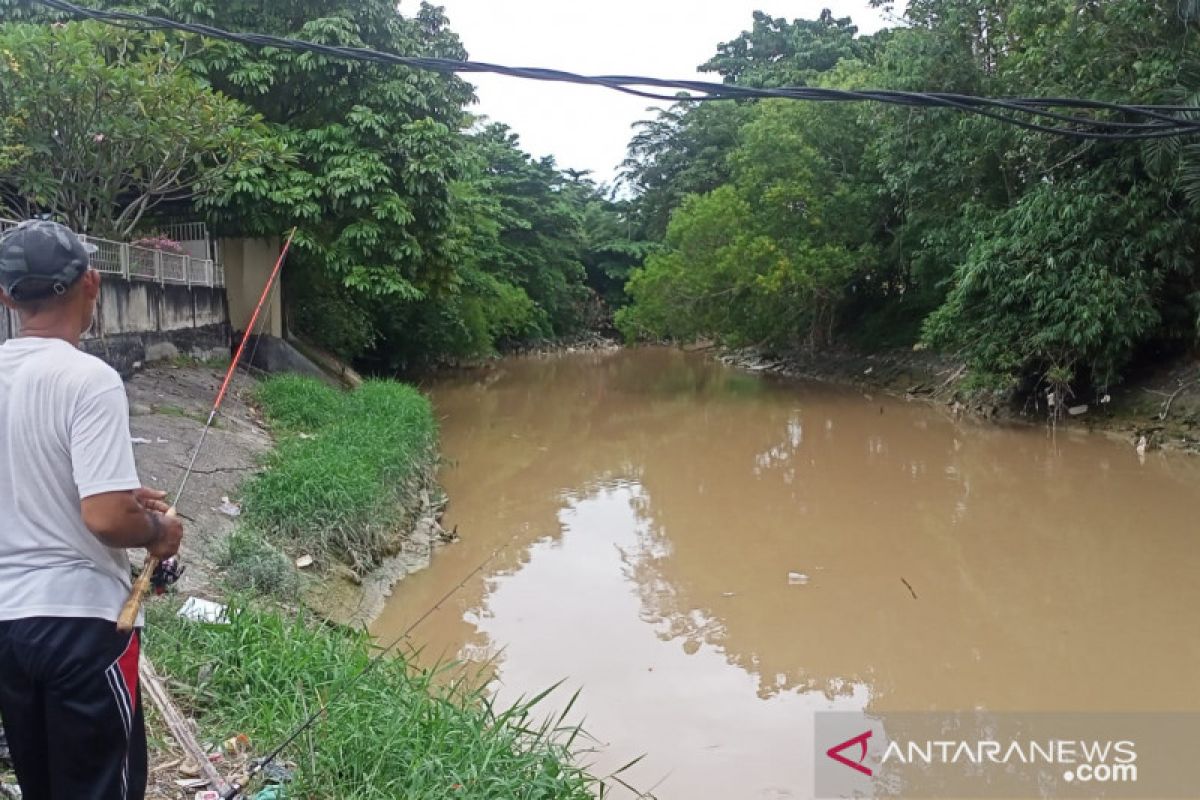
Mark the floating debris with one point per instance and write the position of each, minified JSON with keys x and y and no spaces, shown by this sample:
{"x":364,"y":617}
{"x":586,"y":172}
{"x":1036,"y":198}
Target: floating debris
{"x":797,"y":579}
{"x":139,"y":440}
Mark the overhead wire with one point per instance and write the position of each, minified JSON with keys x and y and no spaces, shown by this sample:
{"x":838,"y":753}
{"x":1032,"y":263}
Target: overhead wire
{"x":1043,"y":115}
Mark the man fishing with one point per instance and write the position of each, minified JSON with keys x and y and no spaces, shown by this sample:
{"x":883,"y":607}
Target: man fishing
{"x":71,"y":504}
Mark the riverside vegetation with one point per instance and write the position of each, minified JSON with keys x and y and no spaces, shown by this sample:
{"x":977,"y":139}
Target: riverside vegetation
{"x":427,"y":235}
{"x":398,"y":732}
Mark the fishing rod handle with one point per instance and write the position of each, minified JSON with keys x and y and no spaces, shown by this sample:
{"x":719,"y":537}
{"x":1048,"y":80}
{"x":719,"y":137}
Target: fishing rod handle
{"x":127,"y":620}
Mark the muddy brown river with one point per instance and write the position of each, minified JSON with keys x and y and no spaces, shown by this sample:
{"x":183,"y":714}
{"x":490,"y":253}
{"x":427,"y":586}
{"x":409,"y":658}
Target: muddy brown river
{"x":712,"y":556}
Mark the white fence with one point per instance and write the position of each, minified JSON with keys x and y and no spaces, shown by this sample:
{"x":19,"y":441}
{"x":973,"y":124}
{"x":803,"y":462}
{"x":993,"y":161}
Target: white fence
{"x":144,"y":264}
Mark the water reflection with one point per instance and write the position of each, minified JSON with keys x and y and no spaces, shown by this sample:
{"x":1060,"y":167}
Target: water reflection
{"x":653,"y":506}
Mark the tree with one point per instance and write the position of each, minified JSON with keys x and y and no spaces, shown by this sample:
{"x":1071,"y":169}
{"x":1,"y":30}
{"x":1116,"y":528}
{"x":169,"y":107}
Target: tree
{"x":776,"y":52}
{"x":103,"y":126}
{"x":683,"y":151}
{"x":767,"y":258}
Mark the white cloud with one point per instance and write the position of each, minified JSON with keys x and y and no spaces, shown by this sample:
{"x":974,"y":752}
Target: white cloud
{"x":586,"y":127}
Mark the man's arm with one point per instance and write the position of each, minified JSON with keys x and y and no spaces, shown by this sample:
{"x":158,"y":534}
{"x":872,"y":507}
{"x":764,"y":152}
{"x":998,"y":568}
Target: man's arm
{"x":113,"y":505}
{"x":119,"y":520}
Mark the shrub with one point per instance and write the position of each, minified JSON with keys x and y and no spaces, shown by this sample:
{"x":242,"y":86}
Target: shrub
{"x":249,"y":563}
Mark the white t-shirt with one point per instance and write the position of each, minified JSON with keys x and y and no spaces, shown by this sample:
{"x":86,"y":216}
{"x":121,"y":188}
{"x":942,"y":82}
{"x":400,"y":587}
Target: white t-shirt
{"x":64,"y":435}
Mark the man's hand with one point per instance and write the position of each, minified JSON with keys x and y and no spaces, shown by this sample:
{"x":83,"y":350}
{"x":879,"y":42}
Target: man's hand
{"x":152,"y":500}
{"x":125,"y":520}
{"x":170,"y":534}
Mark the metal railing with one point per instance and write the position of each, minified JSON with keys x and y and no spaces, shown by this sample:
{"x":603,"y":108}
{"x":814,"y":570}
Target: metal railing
{"x":145,"y":264}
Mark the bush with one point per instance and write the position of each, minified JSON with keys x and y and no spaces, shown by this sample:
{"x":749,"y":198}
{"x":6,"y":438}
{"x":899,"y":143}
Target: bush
{"x":395,"y":732}
{"x":345,"y":479}
{"x":249,"y":563}
{"x":1064,"y":285}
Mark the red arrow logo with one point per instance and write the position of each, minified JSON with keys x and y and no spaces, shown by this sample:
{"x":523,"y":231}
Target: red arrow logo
{"x":835,"y":753}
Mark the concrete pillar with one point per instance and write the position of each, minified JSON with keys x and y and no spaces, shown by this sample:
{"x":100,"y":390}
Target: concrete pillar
{"x":248,"y":265}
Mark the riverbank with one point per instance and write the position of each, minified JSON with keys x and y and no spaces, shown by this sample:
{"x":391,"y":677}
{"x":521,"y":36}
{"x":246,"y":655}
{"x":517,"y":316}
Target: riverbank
{"x":304,"y":495}
{"x":1158,"y":408}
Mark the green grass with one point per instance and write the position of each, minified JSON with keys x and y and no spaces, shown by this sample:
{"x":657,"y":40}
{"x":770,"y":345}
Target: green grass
{"x":396,"y":733}
{"x":345,"y":478}
{"x":296,"y":403}
{"x":185,"y":361}
{"x":176,"y":411}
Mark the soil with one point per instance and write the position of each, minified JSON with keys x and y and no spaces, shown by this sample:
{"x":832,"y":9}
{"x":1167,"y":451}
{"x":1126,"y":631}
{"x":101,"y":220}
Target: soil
{"x":168,"y":406}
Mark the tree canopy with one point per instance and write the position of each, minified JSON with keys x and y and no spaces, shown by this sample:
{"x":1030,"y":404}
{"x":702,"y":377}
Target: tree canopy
{"x":104,"y":125}
{"x":424,"y":233}
{"x":1041,"y":259}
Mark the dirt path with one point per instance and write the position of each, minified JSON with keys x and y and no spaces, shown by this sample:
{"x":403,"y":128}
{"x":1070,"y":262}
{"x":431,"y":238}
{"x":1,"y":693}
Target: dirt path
{"x":168,"y":407}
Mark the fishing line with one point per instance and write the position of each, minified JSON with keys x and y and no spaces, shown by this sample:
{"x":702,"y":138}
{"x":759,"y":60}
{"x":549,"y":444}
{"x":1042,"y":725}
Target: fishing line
{"x":238,"y":787}
{"x":268,"y":291}
{"x":127,"y":618}
{"x":1141,"y":122}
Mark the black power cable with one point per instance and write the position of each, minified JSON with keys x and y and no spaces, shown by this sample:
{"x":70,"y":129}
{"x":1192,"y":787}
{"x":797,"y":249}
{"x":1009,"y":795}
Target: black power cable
{"x":1044,"y":115}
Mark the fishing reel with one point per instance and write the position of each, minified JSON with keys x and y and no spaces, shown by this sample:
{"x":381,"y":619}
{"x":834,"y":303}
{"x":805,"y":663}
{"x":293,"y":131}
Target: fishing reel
{"x":167,"y":575}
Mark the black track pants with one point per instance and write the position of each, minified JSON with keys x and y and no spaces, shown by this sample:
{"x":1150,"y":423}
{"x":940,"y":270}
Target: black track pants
{"x":71,"y":706}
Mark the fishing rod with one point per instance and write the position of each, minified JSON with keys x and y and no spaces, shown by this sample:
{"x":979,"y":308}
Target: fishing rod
{"x":153,"y":566}
{"x":237,"y":788}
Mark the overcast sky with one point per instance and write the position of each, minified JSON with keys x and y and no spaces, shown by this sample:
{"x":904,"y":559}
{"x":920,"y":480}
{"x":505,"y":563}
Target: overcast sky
{"x":586,"y":127}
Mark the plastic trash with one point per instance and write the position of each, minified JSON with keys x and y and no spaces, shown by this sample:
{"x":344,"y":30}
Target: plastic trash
{"x":139,"y":440}
{"x":235,"y":745}
{"x":304,"y":562}
{"x":229,"y":509}
{"x":797,"y":579}
{"x":272,"y":793}
{"x":198,"y":610}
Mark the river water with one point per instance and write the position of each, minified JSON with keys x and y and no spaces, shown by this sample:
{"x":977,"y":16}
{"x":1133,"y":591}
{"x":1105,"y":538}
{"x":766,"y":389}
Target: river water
{"x":712,"y":556}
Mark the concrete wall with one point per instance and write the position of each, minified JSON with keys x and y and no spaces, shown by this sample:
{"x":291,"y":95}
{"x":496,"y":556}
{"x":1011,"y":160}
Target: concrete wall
{"x":139,"y":322}
{"x":248,"y":265}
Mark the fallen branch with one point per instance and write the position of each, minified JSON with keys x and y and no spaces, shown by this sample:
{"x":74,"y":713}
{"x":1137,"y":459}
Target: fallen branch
{"x":217,"y":471}
{"x":1166,"y":412}
{"x":911,"y":590}
{"x":181,"y":731}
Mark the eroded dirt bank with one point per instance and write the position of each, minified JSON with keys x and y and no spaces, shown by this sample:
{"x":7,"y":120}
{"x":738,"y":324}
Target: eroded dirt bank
{"x":1157,"y":408}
